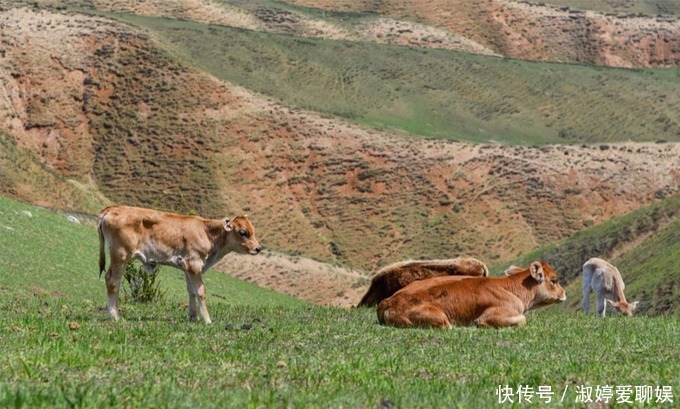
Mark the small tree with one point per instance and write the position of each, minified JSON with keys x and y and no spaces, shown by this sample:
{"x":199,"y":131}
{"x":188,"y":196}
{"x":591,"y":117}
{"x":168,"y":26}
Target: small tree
{"x":144,"y":285}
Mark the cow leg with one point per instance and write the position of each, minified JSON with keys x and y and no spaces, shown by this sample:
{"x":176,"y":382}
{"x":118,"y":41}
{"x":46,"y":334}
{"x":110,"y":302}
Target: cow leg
{"x":499,"y":317}
{"x":601,"y":304}
{"x":418,"y":316}
{"x":192,"y":297}
{"x":430,"y":316}
{"x":393,"y":318}
{"x":198,"y":291}
{"x":586,"y":298}
{"x":114,"y":276}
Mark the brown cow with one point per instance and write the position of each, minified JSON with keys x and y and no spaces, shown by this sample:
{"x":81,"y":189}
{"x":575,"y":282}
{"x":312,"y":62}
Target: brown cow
{"x":190,"y":243}
{"x":394,"y":277}
{"x":485,"y":301}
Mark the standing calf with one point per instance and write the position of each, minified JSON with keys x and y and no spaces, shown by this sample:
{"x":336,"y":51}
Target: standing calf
{"x":189,"y":243}
{"x":485,"y":301}
{"x":606,"y":281}
{"x":394,"y":277}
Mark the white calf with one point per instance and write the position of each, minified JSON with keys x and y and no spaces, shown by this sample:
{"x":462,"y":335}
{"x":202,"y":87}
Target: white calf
{"x":606,"y":281}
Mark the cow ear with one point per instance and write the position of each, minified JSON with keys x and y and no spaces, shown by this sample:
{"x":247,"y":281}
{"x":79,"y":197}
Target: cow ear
{"x":536,"y":270}
{"x":227,"y":225}
{"x":513,"y":270}
{"x":634,"y":305}
{"x":613,"y":303}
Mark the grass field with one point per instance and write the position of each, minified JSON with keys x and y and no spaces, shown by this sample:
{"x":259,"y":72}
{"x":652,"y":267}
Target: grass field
{"x":313,"y":357}
{"x":267,"y":350}
{"x":434,"y":93}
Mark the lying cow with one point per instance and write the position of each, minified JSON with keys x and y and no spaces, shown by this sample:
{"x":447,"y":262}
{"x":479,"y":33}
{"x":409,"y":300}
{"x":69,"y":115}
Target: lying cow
{"x":394,"y":277}
{"x":190,"y":243}
{"x":606,"y":281}
{"x":485,"y":301}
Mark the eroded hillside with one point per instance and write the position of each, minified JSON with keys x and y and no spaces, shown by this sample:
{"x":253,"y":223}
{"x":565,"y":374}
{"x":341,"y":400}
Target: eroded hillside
{"x":148,"y":130}
{"x":618,"y":34}
{"x":279,"y":17}
{"x":537,"y":31}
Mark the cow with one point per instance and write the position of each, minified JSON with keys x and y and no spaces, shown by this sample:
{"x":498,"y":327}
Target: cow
{"x":485,"y":301}
{"x":189,"y":243}
{"x":606,"y":281}
{"x":394,"y":277}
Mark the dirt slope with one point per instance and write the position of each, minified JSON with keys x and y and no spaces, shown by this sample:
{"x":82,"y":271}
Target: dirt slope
{"x":262,"y":15}
{"x":537,"y":31}
{"x":300,"y":277}
{"x":524,"y":30}
{"x":97,"y":102}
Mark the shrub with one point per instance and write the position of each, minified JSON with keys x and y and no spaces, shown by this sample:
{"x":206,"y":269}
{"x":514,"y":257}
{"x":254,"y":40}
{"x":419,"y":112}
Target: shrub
{"x":144,"y":285}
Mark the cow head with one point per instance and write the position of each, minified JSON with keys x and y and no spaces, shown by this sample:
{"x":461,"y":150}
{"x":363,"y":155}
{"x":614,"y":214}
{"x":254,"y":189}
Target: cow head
{"x":624,"y":307}
{"x":548,"y":290}
{"x":242,"y":235}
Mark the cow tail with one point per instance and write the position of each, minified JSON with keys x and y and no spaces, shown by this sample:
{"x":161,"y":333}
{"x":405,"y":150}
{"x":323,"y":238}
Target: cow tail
{"x":102,"y":255}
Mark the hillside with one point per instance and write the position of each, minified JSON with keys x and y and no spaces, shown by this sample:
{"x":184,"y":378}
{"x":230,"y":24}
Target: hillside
{"x":545,"y":32}
{"x":630,"y":33}
{"x":624,"y":7}
{"x":310,"y":280}
{"x":435,"y":93}
{"x":37,"y":259}
{"x":103,"y":107}
{"x":643,"y":245}
{"x":23,"y":175}
{"x":650,"y":272}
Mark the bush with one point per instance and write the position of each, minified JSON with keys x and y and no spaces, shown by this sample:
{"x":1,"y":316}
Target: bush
{"x":144,"y":286}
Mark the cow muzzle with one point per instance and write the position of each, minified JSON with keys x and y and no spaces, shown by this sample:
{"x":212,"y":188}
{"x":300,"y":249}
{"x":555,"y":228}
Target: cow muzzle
{"x":256,"y":250}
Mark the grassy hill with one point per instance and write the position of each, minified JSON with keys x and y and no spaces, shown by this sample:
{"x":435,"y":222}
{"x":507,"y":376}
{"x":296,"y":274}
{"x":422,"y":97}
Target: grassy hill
{"x":435,"y":93}
{"x":46,"y":255}
{"x":267,"y":350}
{"x":643,"y":245}
{"x":652,"y":271}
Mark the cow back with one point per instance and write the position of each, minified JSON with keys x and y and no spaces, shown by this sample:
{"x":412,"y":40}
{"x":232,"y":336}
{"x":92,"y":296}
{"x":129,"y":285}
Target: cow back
{"x":396,"y":276}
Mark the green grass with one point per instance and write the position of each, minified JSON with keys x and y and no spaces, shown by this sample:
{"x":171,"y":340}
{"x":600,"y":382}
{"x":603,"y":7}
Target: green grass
{"x":266,"y":350}
{"x":434,"y":93}
{"x":312,"y":357}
